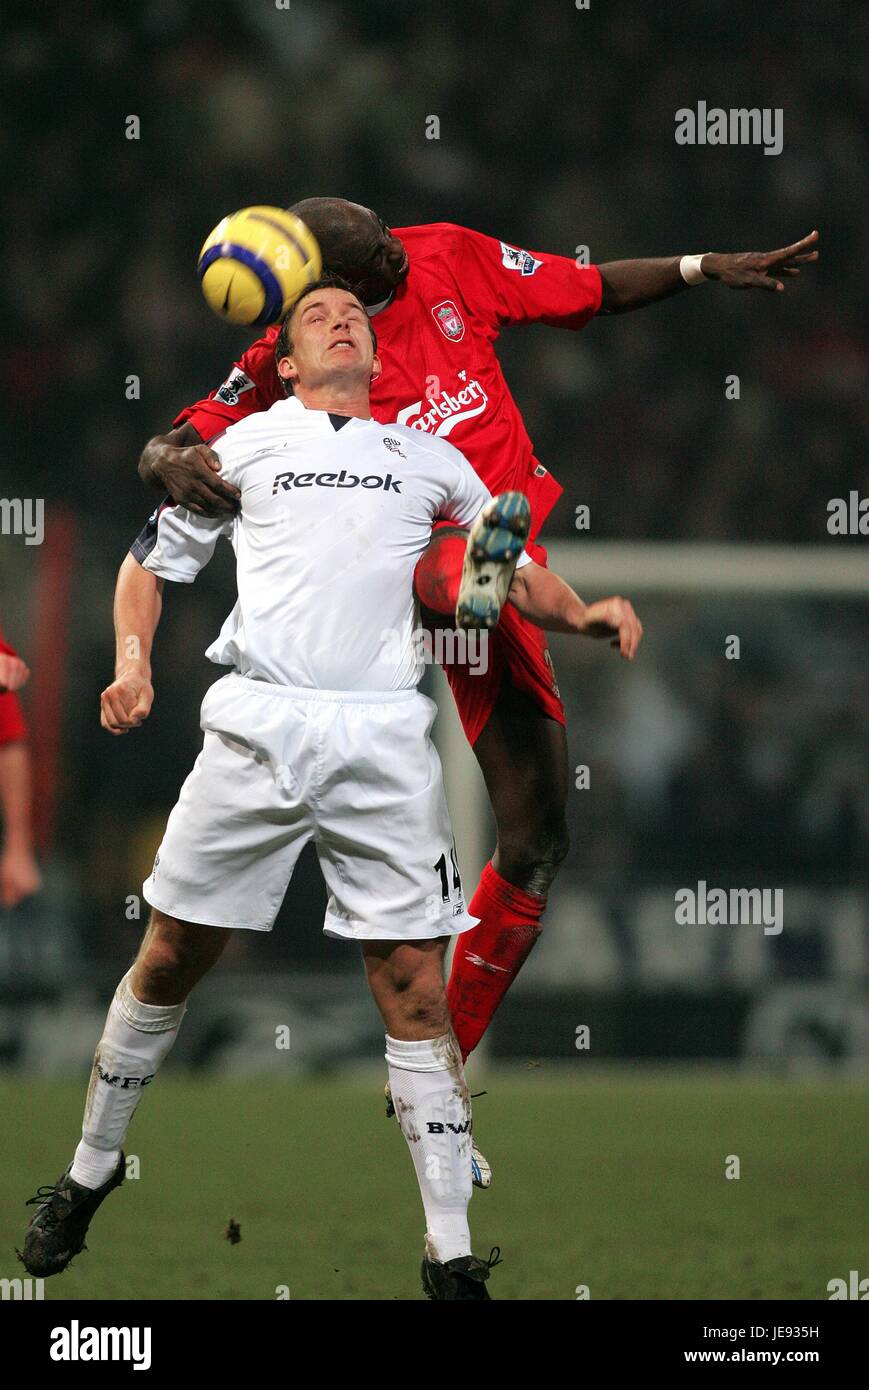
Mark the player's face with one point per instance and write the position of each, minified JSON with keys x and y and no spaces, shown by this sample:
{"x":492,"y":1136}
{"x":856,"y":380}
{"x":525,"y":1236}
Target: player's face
{"x":331,"y":338}
{"x":382,"y":261}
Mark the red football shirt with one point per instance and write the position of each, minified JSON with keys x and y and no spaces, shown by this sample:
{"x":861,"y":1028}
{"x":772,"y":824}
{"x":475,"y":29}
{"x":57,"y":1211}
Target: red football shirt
{"x":12,"y":726}
{"x":436,"y":343}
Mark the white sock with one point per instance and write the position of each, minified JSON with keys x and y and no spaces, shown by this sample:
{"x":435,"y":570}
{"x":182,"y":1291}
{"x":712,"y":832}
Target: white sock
{"x":135,"y":1040}
{"x":434,"y":1110}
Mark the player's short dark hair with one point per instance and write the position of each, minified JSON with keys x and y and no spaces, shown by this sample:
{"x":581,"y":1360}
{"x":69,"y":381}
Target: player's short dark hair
{"x":341,"y":229}
{"x":284,"y":340}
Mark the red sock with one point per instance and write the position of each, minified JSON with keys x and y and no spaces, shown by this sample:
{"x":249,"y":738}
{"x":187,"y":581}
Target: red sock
{"x":439,"y":571}
{"x":489,"y":956}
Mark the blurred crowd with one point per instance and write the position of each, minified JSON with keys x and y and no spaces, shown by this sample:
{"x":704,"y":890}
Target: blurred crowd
{"x":556,"y":133}
{"x":741,"y":772}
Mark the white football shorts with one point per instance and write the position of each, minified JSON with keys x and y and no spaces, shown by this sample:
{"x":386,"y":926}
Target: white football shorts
{"x":356,"y":772}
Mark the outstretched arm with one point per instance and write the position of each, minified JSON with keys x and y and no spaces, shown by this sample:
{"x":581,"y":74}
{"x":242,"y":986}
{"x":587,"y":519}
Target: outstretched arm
{"x":544,"y":599}
{"x":632,"y":284}
{"x":138,"y":602}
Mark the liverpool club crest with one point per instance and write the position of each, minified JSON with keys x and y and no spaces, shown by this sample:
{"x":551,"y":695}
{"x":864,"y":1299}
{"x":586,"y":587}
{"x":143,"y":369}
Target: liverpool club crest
{"x":449,"y":320}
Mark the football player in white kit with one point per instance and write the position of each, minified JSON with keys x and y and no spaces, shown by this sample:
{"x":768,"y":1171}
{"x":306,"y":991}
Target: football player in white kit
{"x":318,"y":732}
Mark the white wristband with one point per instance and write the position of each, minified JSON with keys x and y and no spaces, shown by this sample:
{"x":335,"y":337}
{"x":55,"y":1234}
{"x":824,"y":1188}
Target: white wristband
{"x":689,"y":269}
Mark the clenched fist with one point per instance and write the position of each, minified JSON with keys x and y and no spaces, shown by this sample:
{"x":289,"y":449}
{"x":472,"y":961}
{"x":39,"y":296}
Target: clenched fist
{"x":126,"y":703}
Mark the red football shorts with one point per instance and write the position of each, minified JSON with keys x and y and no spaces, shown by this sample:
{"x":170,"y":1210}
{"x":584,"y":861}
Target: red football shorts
{"x":516,"y":648}
{"x":12,"y":726}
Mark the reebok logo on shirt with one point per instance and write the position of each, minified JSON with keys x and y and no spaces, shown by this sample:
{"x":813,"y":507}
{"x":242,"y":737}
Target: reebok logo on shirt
{"x":342,"y":479}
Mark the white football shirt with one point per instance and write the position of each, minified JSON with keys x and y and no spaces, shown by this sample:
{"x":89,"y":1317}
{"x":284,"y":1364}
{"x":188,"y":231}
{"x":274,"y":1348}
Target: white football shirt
{"x":335,"y":513}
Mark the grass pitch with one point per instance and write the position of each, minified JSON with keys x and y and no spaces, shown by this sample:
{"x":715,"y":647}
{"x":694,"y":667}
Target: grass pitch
{"x":612,"y":1180}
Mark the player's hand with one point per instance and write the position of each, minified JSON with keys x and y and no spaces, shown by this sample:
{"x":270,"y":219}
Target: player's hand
{"x":13,"y":673}
{"x":757,"y":270}
{"x":614,"y":618}
{"x":19,"y":876}
{"x":126,"y":703}
{"x":192,"y":478}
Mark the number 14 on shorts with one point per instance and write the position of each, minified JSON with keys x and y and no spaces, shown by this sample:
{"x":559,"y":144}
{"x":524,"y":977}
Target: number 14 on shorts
{"x":448,"y":871}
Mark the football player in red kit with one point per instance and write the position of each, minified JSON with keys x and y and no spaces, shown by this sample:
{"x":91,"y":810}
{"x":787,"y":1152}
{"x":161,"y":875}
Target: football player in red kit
{"x":19,"y":875}
{"x":439,"y":296}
